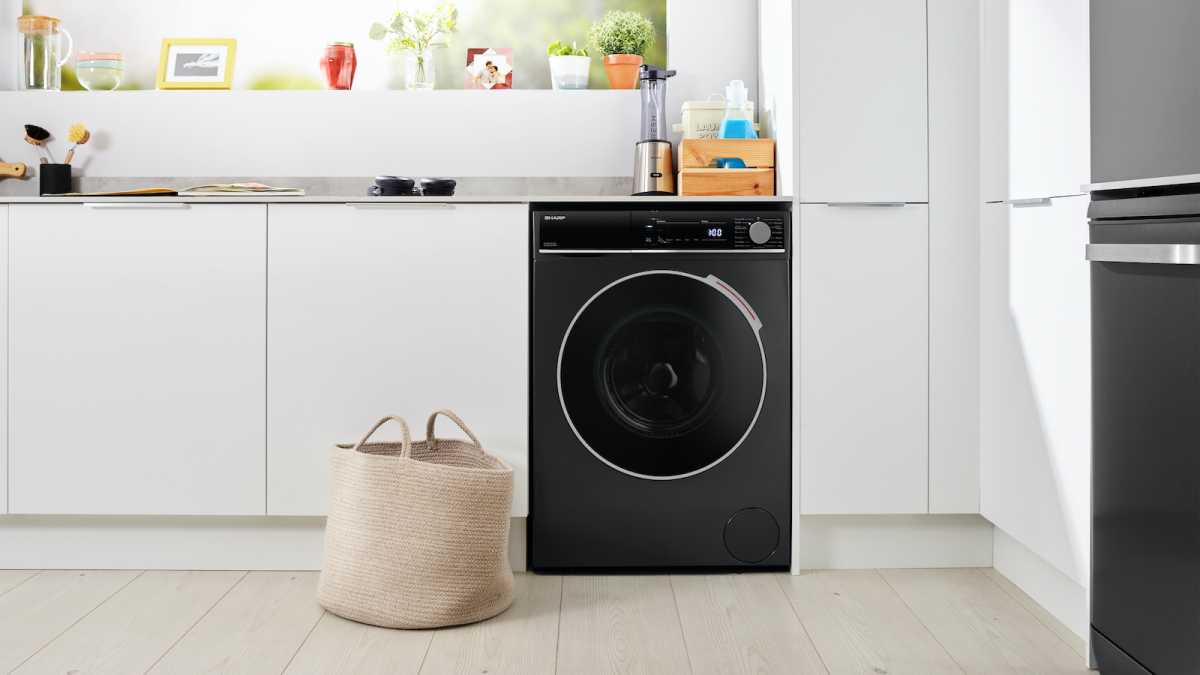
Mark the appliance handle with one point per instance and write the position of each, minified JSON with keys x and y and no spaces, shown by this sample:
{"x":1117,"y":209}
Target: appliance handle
{"x":1160,"y":181}
{"x":852,"y":205}
{"x":1153,"y":254}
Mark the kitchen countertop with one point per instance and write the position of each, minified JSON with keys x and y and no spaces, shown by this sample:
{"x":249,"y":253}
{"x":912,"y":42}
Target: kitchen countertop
{"x":483,"y":190}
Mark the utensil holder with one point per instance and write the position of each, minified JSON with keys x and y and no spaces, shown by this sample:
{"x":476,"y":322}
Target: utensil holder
{"x":54,"y":179}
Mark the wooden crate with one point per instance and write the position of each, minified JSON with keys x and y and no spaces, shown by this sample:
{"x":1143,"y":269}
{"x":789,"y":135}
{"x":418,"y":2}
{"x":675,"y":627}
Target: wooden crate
{"x":698,"y":175}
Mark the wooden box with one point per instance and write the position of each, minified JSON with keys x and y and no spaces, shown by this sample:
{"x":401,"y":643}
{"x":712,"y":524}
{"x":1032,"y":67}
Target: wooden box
{"x":698,"y":175}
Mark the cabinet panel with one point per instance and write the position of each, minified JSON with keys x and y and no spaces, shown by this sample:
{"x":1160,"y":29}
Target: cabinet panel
{"x":4,"y":359}
{"x":1036,"y":101}
{"x":1035,"y":378}
{"x":863,"y":113}
{"x":137,"y":351}
{"x":393,"y":311}
{"x":864,"y":362}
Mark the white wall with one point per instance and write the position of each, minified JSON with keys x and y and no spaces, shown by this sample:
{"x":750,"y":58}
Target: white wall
{"x":359,"y":133}
{"x":776,"y":93}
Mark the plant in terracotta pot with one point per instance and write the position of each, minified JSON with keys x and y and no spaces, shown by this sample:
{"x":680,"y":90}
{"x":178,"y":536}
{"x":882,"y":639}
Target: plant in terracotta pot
{"x":623,"y":38}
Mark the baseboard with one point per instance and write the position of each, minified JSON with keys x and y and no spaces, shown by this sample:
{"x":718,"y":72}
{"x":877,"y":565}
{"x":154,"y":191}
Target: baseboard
{"x":864,"y":542}
{"x":1063,"y":597}
{"x":146,"y":542}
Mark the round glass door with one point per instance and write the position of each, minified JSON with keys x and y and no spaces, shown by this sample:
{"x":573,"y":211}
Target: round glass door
{"x":662,"y":374}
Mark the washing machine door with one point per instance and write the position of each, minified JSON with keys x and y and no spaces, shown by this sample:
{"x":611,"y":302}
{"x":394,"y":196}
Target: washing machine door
{"x":662,"y":374}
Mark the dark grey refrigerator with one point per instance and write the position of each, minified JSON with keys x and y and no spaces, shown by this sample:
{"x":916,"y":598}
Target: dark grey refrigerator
{"x":1145,"y":253}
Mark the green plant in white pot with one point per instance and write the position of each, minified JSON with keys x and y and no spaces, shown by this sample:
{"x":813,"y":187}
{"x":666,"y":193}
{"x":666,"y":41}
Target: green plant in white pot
{"x":569,"y":65}
{"x":417,"y":33}
{"x":623,"y":37}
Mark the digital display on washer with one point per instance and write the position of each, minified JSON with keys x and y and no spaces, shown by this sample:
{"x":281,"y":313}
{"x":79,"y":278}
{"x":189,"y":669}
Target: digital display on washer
{"x":687,"y":233}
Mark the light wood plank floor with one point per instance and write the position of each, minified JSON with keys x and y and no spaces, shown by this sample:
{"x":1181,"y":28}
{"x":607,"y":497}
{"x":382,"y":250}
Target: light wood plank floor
{"x":876,"y":622}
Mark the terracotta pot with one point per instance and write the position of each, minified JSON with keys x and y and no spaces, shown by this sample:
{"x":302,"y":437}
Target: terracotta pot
{"x":622,"y":70}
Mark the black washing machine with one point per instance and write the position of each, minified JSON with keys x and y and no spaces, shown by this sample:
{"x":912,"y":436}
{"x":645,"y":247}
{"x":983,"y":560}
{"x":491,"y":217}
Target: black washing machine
{"x":660,"y":423}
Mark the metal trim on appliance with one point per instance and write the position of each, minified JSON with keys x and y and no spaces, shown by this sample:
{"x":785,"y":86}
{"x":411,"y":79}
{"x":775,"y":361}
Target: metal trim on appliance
{"x":1154,"y":254}
{"x":742,"y":306}
{"x":661,"y":250}
{"x":1162,"y":181}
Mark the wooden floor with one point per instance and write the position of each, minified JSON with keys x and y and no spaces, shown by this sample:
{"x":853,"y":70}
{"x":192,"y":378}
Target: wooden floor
{"x":876,"y":622}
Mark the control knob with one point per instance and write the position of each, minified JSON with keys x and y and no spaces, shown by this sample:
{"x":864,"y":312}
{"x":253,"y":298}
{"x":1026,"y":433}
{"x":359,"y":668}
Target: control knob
{"x":760,"y":233}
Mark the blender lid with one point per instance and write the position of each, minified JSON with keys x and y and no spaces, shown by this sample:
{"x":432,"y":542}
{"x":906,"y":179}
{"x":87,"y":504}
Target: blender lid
{"x":650,"y":72}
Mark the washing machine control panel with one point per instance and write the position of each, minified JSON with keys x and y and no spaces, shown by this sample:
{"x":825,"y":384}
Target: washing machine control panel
{"x":661,"y":230}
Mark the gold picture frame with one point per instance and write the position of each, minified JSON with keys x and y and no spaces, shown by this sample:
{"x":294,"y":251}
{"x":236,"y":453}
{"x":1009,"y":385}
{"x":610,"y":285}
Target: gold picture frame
{"x":212,"y":59}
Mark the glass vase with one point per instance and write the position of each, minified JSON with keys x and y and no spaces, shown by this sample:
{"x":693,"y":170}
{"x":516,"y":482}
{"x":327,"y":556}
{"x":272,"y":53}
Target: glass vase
{"x":418,"y":70}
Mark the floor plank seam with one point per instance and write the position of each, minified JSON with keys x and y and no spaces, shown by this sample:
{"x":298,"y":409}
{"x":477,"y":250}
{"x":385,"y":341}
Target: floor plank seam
{"x":425,"y":656}
{"x":74,"y":623}
{"x":193,"y":625}
{"x":687,"y":651}
{"x":303,"y":642}
{"x":921,"y":621}
{"x":1036,"y":618}
{"x":22,"y":582}
{"x":562,"y":585}
{"x":787,"y":597}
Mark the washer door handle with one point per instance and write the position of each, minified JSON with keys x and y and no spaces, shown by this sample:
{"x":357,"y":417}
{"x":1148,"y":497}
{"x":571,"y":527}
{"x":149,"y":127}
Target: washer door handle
{"x":737,"y":299}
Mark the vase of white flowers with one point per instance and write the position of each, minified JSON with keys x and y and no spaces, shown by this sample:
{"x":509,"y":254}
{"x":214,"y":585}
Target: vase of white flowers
{"x":415,"y":34}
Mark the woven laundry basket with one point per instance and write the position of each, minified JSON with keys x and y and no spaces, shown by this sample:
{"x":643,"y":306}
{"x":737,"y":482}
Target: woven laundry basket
{"x":417,"y":534}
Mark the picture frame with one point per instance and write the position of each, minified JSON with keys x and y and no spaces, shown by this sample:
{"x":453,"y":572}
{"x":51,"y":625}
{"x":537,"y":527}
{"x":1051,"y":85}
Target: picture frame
{"x":197,"y":63}
{"x":489,"y":68}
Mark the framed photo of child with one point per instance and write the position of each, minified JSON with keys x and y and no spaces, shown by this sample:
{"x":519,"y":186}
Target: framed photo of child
{"x":489,"y":68}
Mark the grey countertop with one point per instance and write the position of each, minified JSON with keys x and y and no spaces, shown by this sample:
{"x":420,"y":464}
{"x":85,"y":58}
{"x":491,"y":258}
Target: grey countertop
{"x":353,"y":191}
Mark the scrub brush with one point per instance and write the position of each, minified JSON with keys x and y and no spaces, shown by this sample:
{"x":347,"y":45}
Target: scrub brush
{"x":37,"y":137}
{"x":77,"y":135}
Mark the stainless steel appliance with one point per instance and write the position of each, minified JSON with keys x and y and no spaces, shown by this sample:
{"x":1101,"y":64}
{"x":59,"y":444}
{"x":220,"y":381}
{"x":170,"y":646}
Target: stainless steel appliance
{"x":1145,"y":253}
{"x":653,"y":165}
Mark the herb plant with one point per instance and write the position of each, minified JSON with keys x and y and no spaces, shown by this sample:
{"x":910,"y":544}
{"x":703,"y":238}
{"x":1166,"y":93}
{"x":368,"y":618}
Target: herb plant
{"x":560,"y":48}
{"x":621,"y":32}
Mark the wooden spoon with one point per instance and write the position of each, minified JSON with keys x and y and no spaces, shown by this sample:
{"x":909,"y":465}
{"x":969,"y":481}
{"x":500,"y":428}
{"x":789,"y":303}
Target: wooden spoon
{"x":12,"y":170}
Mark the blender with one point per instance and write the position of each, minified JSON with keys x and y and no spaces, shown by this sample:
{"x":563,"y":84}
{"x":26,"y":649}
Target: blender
{"x":653,"y":168}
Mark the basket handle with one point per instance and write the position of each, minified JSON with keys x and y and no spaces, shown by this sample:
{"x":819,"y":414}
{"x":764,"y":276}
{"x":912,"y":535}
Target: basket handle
{"x":431,"y":441}
{"x":406,"y":443}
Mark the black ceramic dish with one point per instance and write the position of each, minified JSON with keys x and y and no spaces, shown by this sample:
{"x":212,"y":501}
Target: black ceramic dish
{"x":392,"y":186}
{"x":437,"y":187}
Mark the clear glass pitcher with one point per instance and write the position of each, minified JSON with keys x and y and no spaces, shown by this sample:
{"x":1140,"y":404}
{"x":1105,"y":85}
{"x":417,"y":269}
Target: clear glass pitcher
{"x":42,"y":55}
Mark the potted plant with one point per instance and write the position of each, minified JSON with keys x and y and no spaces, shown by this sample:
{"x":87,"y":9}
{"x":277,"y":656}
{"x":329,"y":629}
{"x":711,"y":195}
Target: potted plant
{"x":416,"y":33}
{"x":623,"y":37}
{"x":569,"y":65}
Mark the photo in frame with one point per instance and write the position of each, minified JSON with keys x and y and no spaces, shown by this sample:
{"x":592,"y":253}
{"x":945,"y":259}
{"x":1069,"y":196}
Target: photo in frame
{"x":489,"y":68}
{"x":196,"y":63}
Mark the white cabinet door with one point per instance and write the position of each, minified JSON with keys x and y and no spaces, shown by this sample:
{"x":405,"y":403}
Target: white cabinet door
{"x":864,"y":361}
{"x":4,"y":359}
{"x":1036,"y":97}
{"x":1035,"y":375}
{"x":393,"y":311}
{"x":862,"y":100}
{"x":137,"y":352}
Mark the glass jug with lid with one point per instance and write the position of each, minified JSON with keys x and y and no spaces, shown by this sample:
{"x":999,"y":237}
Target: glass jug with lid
{"x":42,"y":55}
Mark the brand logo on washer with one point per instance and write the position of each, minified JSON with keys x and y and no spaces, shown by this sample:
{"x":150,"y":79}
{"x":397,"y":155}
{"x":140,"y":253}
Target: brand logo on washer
{"x":554,"y":217}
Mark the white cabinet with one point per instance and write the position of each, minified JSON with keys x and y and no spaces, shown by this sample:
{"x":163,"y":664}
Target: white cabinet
{"x":393,"y":310}
{"x":862,"y":100}
{"x":4,"y":359}
{"x":864,"y":375}
{"x":137,"y":352}
{"x":1036,"y":98}
{"x":1035,"y":394}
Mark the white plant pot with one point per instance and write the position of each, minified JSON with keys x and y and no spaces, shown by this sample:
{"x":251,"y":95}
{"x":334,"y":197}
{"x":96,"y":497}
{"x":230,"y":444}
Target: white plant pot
{"x":569,"y":72}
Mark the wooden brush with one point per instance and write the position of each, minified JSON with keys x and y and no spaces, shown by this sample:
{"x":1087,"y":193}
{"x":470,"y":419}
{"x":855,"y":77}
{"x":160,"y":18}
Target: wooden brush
{"x":37,"y":137}
{"x":78,"y":135}
{"x":12,"y":170}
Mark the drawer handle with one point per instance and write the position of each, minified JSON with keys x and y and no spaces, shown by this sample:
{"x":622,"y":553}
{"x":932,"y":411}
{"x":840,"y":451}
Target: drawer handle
{"x":1152,"y":254}
{"x":852,"y":205}
{"x":402,"y":206}
{"x":135,"y":205}
{"x":1027,"y":203}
